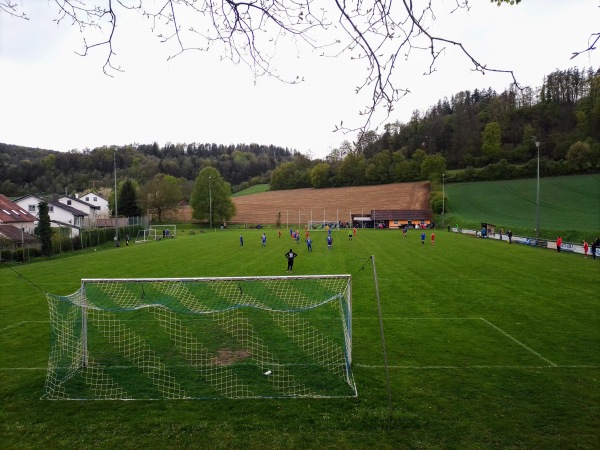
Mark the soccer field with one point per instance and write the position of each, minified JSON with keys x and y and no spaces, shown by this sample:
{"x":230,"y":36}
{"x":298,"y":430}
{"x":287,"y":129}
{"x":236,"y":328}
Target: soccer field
{"x":488,"y":345}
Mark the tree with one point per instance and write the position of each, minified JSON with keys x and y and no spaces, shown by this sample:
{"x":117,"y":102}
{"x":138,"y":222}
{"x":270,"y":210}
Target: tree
{"x":291,"y":175}
{"x":352,"y":170}
{"x":160,"y":194}
{"x":211,"y":192}
{"x":433,"y":167}
{"x":320,"y":175}
{"x":378,"y":36}
{"x":44,"y":229}
{"x":491,"y":143}
{"x":580,"y":155}
{"x":128,"y":206}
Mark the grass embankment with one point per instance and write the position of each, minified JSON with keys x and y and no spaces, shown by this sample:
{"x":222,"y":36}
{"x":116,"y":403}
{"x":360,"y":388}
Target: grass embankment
{"x":569,"y":206}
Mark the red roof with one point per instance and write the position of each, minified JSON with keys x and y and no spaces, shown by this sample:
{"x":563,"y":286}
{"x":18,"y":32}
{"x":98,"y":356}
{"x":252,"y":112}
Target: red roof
{"x":16,"y":235}
{"x":10,"y":212}
{"x":401,"y":214}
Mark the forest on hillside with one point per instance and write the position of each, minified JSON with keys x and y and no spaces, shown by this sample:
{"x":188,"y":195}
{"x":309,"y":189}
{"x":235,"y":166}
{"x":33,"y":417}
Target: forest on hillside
{"x":26,"y":170}
{"x":476,"y":135}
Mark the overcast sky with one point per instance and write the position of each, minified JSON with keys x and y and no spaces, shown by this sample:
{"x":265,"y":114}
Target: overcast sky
{"x":52,"y":98}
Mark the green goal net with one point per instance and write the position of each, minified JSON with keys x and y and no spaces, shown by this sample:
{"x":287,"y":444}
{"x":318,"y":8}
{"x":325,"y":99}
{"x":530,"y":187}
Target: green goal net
{"x":195,"y":338}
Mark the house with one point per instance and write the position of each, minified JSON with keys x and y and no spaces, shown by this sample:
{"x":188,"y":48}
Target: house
{"x":397,"y":218}
{"x":16,"y":224}
{"x":61,"y":215}
{"x":92,"y":211}
{"x":94,"y":199}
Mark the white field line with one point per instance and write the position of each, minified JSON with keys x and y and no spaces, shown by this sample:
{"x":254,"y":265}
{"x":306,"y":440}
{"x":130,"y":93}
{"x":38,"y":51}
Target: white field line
{"x":374,"y":366}
{"x":470,"y":318}
{"x":378,"y":367}
{"x":417,"y":318}
{"x":21,"y":323}
{"x":518,"y":342}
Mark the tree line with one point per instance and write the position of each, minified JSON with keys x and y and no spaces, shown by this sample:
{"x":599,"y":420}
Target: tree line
{"x":476,"y":135}
{"x":26,"y":170}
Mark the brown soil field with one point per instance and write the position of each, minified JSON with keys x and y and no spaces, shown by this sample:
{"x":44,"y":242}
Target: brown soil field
{"x":301,"y":205}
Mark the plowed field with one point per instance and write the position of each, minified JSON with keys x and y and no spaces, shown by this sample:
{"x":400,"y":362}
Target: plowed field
{"x":302,"y":205}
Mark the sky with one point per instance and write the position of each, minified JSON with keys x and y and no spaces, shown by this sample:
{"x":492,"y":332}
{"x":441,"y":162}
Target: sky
{"x":53,"y":98}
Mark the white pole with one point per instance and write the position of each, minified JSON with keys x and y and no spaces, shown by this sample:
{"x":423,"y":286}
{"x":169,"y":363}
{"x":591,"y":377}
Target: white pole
{"x":537,"y":198}
{"x":210,"y":201}
{"x":116,"y":209}
{"x":84,"y":343}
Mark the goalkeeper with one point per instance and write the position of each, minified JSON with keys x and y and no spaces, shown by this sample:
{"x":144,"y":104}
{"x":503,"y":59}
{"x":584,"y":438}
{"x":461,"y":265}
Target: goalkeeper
{"x":290,"y":257}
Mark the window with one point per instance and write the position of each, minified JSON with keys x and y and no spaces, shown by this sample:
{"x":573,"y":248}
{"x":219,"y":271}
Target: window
{"x":87,"y":199}
{"x":50,"y":208}
{"x":95,"y":199}
{"x":31,"y":208}
{"x":68,"y":202}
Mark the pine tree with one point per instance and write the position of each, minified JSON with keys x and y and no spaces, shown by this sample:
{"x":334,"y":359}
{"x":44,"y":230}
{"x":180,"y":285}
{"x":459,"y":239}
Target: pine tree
{"x":128,"y":206}
{"x":44,"y":229}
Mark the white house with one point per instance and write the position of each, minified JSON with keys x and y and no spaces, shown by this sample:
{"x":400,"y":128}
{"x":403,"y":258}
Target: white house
{"x":61,"y":215}
{"x":94,"y":199}
{"x":92,"y":211}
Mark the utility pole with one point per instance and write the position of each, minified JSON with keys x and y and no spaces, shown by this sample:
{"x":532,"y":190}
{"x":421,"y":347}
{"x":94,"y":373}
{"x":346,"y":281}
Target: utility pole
{"x":537,"y":197}
{"x":210,"y":201}
{"x":116,"y":209}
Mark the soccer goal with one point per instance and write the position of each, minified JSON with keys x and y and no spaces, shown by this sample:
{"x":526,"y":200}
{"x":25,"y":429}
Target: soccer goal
{"x":165,"y":230}
{"x":196,"y":338}
{"x":146,"y":235}
{"x":323,"y":225}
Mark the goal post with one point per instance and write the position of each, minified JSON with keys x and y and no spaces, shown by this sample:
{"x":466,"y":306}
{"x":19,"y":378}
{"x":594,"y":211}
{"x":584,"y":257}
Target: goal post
{"x":195,"y":338}
{"x":165,"y":230}
{"x":146,"y":235}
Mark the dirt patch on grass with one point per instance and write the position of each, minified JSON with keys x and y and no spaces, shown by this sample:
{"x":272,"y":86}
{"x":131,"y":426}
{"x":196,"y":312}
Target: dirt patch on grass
{"x":301,"y":205}
{"x":228,"y":357}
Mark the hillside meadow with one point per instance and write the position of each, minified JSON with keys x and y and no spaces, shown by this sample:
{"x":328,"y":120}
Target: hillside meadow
{"x":484,"y":345}
{"x":569,"y":206}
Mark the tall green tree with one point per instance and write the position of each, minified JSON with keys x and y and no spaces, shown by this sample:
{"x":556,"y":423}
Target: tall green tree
{"x":320,"y":175}
{"x":44,"y":229}
{"x":160,"y":194}
{"x":211,"y":193}
{"x":433,"y":167}
{"x":127,"y":200}
{"x":491,"y":143}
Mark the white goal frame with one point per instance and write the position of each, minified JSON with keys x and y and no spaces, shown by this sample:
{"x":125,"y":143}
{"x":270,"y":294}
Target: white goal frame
{"x":172,"y":229}
{"x":322,"y":225}
{"x":146,"y":236}
{"x":196,"y":338}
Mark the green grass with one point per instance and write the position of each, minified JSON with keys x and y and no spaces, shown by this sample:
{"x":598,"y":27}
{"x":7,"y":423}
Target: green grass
{"x":489,"y":345}
{"x":256,"y":189}
{"x":568,"y":205}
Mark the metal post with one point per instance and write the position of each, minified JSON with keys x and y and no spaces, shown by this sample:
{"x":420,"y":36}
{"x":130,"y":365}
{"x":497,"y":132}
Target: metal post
{"x":537,"y":197}
{"x":210,"y":201}
{"x":116,"y":209}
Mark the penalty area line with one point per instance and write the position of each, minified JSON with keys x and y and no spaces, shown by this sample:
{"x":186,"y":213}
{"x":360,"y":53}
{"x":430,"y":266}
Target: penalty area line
{"x":368,"y":366}
{"x":518,"y":342}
